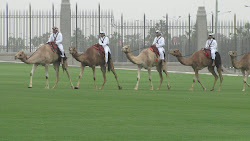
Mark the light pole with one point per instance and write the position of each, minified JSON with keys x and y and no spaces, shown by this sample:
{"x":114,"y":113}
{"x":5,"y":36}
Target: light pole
{"x":216,"y":17}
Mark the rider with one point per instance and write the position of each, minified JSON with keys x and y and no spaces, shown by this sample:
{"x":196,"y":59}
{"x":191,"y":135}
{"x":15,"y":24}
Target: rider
{"x":57,"y":38}
{"x":159,"y":42}
{"x":104,"y":41}
{"x":212,"y":45}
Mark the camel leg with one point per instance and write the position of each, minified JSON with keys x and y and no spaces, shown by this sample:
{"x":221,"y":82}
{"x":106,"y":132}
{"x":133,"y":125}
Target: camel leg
{"x":198,"y":79}
{"x":219,"y":70}
{"x":113,"y":70}
{"x":47,"y":76}
{"x":93,"y":68}
{"x":80,"y":76}
{"x":248,"y":72}
{"x":56,"y":67}
{"x":31,"y":74}
{"x":103,"y":68}
{"x":192,"y":88}
{"x":244,"y":79}
{"x":165,"y":71}
{"x":211,"y":69}
{"x":150,"y":80}
{"x":160,"y":74}
{"x":66,"y":69}
{"x":138,"y":78}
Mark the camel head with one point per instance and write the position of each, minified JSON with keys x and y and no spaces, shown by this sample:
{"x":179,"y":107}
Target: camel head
{"x":72,"y":50}
{"x":175,"y":52}
{"x":20,"y":55}
{"x":232,"y":53}
{"x":126,"y":49}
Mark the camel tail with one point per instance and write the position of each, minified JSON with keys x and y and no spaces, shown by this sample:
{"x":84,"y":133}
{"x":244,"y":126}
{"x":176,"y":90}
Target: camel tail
{"x":110,"y":63}
{"x":218,"y":62}
{"x":65,"y":65}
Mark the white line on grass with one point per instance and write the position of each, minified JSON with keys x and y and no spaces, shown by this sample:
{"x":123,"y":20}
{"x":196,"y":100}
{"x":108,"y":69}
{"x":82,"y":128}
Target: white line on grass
{"x":135,"y":69}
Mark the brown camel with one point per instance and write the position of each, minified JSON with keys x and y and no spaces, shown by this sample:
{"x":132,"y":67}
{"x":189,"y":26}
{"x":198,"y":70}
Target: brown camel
{"x":43,"y":56}
{"x":199,"y":61}
{"x":147,"y":59}
{"x":243,"y":65}
{"x":92,"y":59}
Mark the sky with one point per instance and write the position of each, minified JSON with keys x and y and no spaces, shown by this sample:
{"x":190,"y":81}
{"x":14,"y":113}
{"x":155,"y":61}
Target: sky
{"x":154,"y":9}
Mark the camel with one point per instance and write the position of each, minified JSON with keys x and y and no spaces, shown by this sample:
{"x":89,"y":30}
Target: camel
{"x":243,"y":65}
{"x":147,"y":59}
{"x":199,"y":61}
{"x":43,"y":56}
{"x":92,"y":59}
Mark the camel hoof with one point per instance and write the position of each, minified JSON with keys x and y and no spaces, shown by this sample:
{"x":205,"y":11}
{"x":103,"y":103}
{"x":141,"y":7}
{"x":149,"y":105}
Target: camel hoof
{"x":119,"y":87}
{"x":76,"y":88}
{"x":29,"y":87}
{"x":169,"y":87}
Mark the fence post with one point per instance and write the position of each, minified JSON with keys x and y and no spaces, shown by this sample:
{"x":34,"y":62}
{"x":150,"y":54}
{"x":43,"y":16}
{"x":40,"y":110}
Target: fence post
{"x":76,"y":25}
{"x":30,"y":24}
{"x":189,"y":32}
{"x":99,"y":18}
{"x":7,"y":26}
{"x":144,"y":30}
{"x":122,"y":33}
{"x":167,"y":35}
{"x":235,"y":37}
{"x":53,"y":15}
{"x":212,"y":23}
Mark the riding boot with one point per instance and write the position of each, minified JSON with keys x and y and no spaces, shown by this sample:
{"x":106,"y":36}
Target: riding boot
{"x":62,"y":60}
{"x":213,"y":63}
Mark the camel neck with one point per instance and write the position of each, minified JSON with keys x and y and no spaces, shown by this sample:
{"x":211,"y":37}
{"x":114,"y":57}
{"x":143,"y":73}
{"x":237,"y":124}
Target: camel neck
{"x":235,"y":63}
{"x":132,"y":58}
{"x":27,"y":60}
{"x":77,"y":57}
{"x":185,"y":61}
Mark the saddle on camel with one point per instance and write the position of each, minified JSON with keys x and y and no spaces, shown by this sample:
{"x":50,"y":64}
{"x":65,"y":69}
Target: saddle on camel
{"x":101,"y":53}
{"x":156,"y":51}
{"x":207,"y":53}
{"x":56,"y":50}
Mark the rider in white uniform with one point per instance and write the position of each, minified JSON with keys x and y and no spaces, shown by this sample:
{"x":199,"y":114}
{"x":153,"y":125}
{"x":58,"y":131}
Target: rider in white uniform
{"x":57,"y":38}
{"x":212,"y":45}
{"x":104,"y":41}
{"x":159,"y":42}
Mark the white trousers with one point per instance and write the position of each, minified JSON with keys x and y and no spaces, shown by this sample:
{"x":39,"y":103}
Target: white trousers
{"x":213,"y":53}
{"x":161,"y":52}
{"x":107,"y":51}
{"x":60,"y":46}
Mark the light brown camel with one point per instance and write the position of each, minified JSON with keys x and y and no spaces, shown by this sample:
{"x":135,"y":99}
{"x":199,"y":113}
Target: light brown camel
{"x":199,"y":61}
{"x":43,"y":56}
{"x":147,"y":59}
{"x":243,"y":65}
{"x":92,"y":59}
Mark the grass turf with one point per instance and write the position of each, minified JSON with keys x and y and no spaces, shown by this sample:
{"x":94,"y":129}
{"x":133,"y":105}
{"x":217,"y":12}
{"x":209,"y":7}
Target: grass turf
{"x":64,"y":114}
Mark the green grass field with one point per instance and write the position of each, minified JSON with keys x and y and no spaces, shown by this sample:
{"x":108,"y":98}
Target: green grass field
{"x":64,"y":114}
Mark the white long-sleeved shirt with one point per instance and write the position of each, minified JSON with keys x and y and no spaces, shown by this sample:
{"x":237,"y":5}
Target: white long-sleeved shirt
{"x":57,"y":37}
{"x":159,"y":41}
{"x":104,"y":41}
{"x":212,"y":45}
